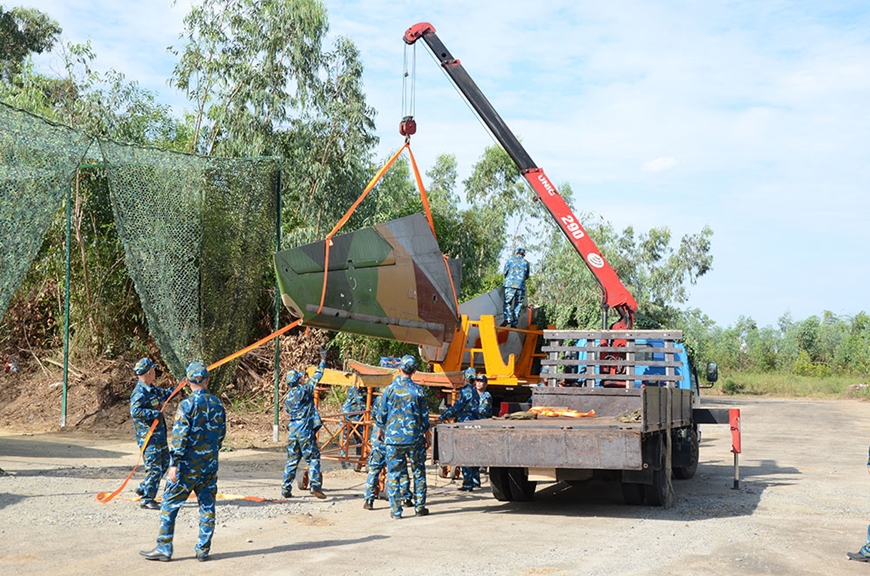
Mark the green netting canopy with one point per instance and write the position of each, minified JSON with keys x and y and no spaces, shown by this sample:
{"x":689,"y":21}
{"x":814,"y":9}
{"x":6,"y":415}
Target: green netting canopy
{"x":38,"y":160}
{"x":198,"y":235}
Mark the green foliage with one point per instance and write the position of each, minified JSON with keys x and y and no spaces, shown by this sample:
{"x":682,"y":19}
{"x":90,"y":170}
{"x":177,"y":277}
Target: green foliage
{"x":23,"y":31}
{"x":654,"y":272}
{"x":247,"y":65}
{"x":262,"y":84}
{"x":732,"y":387}
{"x":466,"y":234}
{"x":327,"y":153}
{"x":803,"y":366}
{"x":816,"y":346}
{"x":506,"y":207}
{"x":783,"y":385}
{"x":369,"y":350}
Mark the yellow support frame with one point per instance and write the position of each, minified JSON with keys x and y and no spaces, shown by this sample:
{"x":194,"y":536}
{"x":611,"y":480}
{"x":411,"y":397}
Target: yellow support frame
{"x":515,"y":371}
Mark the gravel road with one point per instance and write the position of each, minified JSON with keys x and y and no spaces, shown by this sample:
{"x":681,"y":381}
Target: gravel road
{"x":804,"y":501}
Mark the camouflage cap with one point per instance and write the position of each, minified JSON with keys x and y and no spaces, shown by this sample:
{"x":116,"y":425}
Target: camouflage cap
{"x":143,"y":366}
{"x":408,"y":364}
{"x":197,"y":373}
{"x":293,"y":377}
{"x":521,"y":251}
{"x":470,"y":374}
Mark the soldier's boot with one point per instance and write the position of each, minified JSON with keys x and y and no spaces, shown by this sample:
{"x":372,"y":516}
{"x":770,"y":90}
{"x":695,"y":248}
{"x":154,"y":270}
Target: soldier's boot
{"x":318,"y":494}
{"x":408,"y":503}
{"x":369,"y":504}
{"x":422,"y":512}
{"x":287,"y":493}
{"x":302,"y":482}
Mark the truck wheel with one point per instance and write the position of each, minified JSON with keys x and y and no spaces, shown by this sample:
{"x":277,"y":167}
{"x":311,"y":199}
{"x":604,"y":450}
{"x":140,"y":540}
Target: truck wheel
{"x":521,"y":489}
{"x":498,"y":483}
{"x":661,"y":491}
{"x":633,"y":494}
{"x":686,"y":472}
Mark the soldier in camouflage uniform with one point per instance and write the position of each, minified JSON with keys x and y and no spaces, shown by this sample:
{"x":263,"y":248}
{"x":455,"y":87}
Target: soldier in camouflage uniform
{"x":465,"y":408}
{"x":484,"y":410}
{"x":351,"y":413}
{"x":377,"y":462}
{"x":484,"y":404}
{"x":197,"y":436}
{"x":145,"y":403}
{"x":403,"y":418}
{"x":516,"y":272}
{"x":302,"y":429}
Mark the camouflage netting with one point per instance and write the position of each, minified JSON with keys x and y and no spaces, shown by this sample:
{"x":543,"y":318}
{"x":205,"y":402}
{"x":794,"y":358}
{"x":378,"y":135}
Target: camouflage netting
{"x":198,"y":235}
{"x":38,"y":160}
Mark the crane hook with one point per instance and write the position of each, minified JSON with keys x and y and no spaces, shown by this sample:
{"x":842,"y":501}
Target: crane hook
{"x":407,"y":127}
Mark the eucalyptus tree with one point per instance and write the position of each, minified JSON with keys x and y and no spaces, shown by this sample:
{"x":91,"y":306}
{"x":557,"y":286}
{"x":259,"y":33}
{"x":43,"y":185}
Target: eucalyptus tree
{"x":261,"y":83}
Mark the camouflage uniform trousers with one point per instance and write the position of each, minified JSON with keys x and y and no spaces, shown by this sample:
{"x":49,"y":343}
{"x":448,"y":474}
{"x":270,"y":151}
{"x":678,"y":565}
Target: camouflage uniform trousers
{"x":156,"y":459}
{"x":470,"y":477}
{"x":513,"y":304}
{"x":865,"y":549}
{"x":398,"y":456}
{"x":174,"y":496}
{"x":377,"y":462}
{"x":297,"y":448}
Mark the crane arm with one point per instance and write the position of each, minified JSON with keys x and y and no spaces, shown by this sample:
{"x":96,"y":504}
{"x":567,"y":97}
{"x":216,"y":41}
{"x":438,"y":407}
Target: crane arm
{"x":614,"y":293}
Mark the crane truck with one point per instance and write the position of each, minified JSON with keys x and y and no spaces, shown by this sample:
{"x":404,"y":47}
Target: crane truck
{"x":636,"y":390}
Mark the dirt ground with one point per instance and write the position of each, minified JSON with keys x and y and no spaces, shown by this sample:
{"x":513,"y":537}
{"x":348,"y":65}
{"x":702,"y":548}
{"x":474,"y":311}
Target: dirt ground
{"x":801,"y":505}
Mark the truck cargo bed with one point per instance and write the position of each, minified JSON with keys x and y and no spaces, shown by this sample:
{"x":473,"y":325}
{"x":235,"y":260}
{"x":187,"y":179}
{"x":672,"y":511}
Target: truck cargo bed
{"x":551,"y":442}
{"x":612,"y":439}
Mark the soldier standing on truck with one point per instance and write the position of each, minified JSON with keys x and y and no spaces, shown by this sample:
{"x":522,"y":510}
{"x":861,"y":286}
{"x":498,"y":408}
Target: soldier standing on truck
{"x":403,"y":419}
{"x":145,"y":402}
{"x":302,"y":429}
{"x":465,"y":408}
{"x":516,"y":272}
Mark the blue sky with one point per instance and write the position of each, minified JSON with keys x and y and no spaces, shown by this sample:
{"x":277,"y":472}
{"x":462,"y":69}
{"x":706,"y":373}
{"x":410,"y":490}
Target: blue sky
{"x":749,"y":117}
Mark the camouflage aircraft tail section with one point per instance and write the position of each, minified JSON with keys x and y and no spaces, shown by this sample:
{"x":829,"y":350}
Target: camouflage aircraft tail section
{"x":388,"y":281}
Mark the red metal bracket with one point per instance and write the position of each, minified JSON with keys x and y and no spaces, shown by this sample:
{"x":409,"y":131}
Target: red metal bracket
{"x":734,"y":421}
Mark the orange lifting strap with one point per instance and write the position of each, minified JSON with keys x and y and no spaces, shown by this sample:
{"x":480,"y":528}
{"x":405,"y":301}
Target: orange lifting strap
{"x":104,"y":497}
{"x":343,"y":220}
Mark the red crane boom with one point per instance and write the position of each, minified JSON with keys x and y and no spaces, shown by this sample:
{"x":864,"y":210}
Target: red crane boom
{"x":615,"y":295}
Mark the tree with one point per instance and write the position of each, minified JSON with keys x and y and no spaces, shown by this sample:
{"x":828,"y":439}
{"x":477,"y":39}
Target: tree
{"x":262,"y":84}
{"x":496,"y":189}
{"x":466,"y":234}
{"x":247,"y":66}
{"x":23,"y":31}
{"x":653,"y":271}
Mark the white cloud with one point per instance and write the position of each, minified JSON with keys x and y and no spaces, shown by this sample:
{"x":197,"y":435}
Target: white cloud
{"x":660,"y":164}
